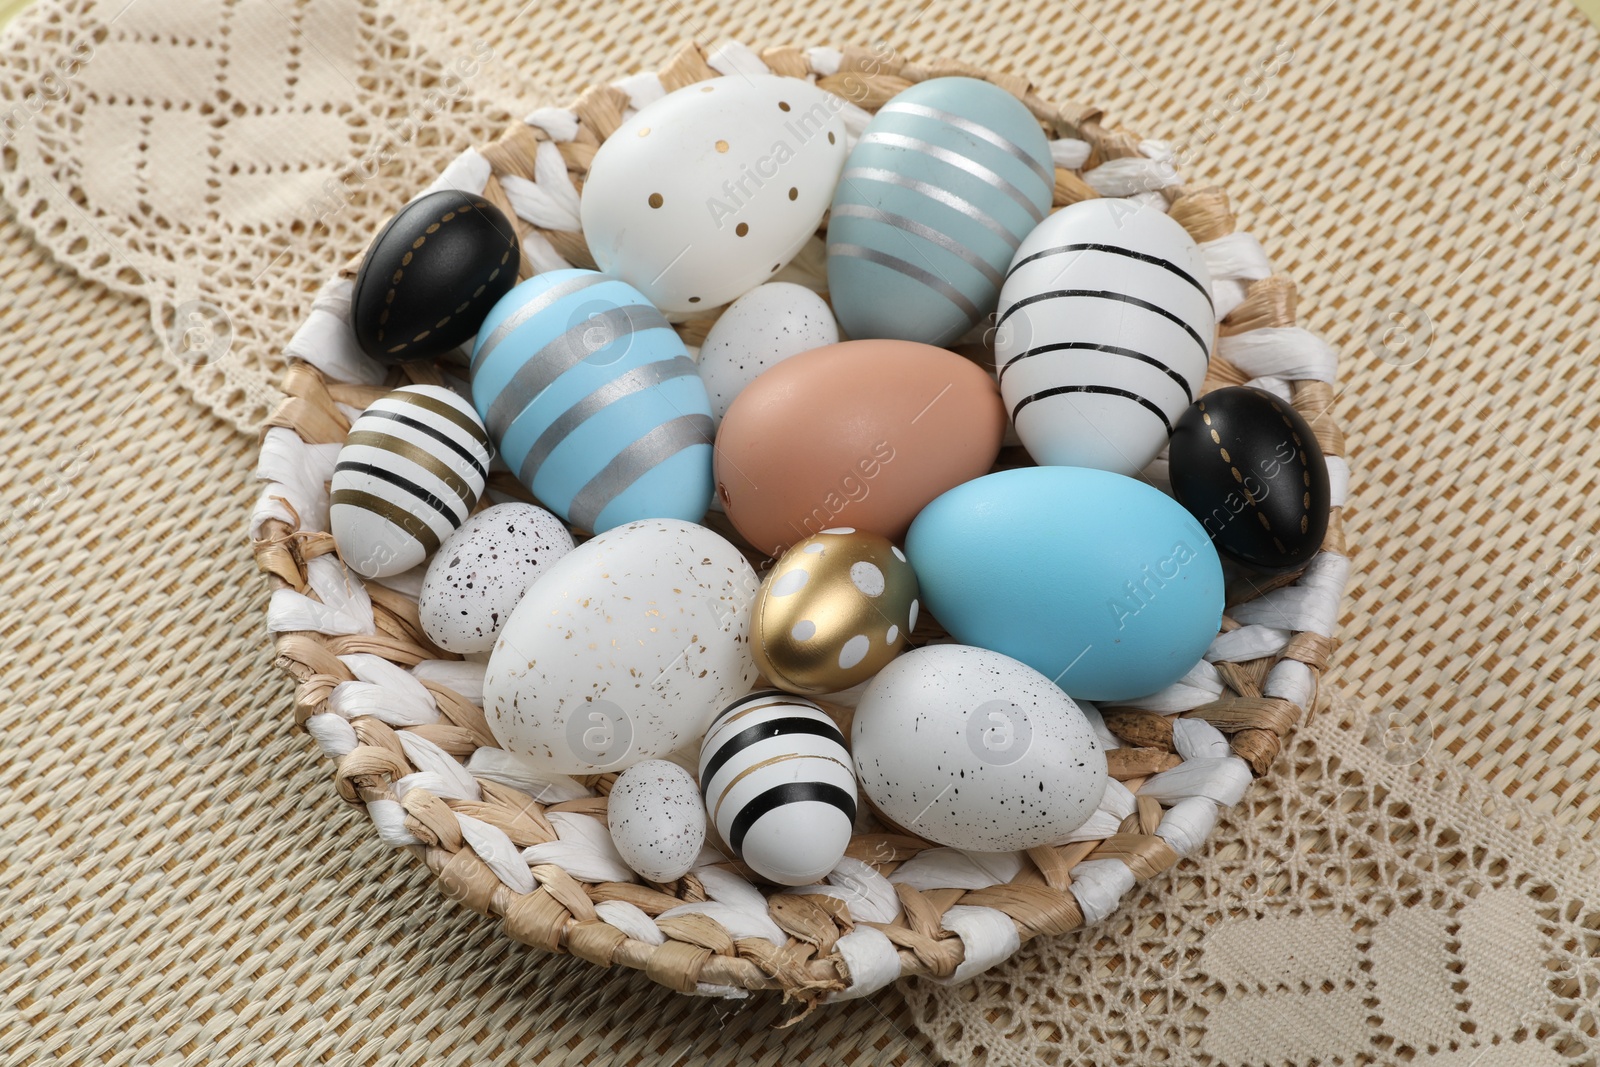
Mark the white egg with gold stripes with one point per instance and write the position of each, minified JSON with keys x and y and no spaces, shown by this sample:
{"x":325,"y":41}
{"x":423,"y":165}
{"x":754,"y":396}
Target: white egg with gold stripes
{"x":594,"y":401}
{"x":1104,"y":332}
{"x":779,"y":786}
{"x":410,"y":472}
{"x":946,"y":181}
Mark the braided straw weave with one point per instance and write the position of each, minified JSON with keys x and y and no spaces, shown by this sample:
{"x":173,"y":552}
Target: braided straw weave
{"x":402,"y":720}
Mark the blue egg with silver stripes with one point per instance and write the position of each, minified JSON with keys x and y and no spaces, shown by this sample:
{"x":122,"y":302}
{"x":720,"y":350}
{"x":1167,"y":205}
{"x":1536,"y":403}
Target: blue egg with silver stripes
{"x":1103,"y":336}
{"x":779,"y":786}
{"x":946,"y":181}
{"x":594,"y":402}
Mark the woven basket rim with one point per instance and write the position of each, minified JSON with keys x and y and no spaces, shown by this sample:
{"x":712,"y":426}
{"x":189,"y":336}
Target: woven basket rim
{"x":698,"y":954}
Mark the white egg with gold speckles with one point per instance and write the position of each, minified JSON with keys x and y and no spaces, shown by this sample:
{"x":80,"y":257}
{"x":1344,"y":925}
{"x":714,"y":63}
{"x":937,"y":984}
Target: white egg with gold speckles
{"x":623,"y":650}
{"x":712,"y":189}
{"x":833,"y":611}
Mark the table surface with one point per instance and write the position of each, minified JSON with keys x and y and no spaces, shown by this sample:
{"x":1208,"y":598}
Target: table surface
{"x":181,"y":883}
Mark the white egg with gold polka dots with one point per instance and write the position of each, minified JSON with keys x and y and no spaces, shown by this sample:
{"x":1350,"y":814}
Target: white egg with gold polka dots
{"x":833,"y":611}
{"x":711,"y":190}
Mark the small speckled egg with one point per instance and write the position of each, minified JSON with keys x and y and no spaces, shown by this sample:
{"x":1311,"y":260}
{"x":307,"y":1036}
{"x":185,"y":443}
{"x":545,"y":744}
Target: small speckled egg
{"x":778,"y":786}
{"x":710,"y":190}
{"x":657,"y":821}
{"x":482,"y":570}
{"x":833,"y":611}
{"x":765,"y":326}
{"x":623,"y":650}
{"x":977,"y":751}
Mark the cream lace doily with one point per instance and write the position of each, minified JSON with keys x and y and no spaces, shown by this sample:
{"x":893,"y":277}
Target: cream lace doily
{"x":215,"y":159}
{"x":1318,"y":931}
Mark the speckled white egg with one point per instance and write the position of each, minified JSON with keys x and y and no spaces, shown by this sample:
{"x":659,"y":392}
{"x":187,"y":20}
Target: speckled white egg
{"x":624,"y":649}
{"x":710,"y":190}
{"x":657,"y":820}
{"x":482,"y":570}
{"x":765,"y":326}
{"x":977,"y":751}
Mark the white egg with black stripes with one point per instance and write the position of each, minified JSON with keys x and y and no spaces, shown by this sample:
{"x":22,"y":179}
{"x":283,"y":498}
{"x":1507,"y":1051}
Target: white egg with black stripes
{"x":779,"y":786}
{"x":411,"y":470}
{"x":1103,"y":333}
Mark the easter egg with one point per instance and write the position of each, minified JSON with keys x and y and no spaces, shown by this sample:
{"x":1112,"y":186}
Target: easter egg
{"x":1104,"y":584}
{"x":482,"y":570}
{"x":1249,"y":467}
{"x":410,"y":472}
{"x":835,"y":609}
{"x":594,"y":401}
{"x":971,"y":749}
{"x":656,"y":819}
{"x":768,"y":324}
{"x":1104,"y":332}
{"x":710,"y":190}
{"x":945,"y":182}
{"x":623,"y":649}
{"x":777,"y":783}
{"x":431,"y":275}
{"x":860,"y":434}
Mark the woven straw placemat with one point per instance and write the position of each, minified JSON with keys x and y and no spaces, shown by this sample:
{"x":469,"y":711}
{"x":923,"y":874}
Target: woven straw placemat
{"x":181,"y":885}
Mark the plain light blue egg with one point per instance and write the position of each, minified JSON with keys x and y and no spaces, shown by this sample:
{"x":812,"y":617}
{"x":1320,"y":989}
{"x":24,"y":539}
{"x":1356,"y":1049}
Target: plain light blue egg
{"x":551,"y":322}
{"x":919,"y":236}
{"x":1099,"y":581}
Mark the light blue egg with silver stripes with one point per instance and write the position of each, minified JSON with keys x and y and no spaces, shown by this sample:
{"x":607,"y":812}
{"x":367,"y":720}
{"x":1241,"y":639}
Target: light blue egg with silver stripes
{"x":594,"y":402}
{"x":946,"y":181}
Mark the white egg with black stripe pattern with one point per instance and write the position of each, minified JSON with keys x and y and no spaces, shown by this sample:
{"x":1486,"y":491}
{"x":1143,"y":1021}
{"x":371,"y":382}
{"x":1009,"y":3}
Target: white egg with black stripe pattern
{"x":1103,"y":334}
{"x":778,"y":785}
{"x":411,"y":470}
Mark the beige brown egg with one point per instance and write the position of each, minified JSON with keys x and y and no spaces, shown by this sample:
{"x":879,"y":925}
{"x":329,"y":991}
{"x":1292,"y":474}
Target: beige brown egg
{"x":833,"y":611}
{"x":861,"y":433}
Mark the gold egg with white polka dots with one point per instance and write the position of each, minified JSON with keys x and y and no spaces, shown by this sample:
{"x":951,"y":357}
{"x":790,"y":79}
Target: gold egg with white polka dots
{"x":833,"y":611}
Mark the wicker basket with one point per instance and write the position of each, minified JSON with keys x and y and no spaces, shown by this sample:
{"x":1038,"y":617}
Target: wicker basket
{"x":402,"y":720}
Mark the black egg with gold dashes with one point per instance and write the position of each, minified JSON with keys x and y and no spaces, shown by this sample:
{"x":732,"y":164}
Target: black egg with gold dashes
{"x":431,"y":275}
{"x":1247,"y":465}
